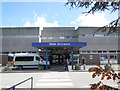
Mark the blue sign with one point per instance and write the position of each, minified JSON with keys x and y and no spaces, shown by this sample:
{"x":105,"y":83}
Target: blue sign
{"x":52,"y":44}
{"x":59,"y":44}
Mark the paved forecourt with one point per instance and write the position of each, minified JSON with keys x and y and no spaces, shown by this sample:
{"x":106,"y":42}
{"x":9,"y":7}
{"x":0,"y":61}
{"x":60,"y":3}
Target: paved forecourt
{"x":50,"y":79}
{"x":55,"y":80}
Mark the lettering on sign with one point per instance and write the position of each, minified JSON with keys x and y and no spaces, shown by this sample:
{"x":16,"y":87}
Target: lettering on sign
{"x":63,"y":44}
{"x":52,"y":44}
{"x":59,"y":44}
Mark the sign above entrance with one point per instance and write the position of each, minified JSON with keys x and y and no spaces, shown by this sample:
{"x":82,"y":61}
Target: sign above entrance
{"x":57,"y":44}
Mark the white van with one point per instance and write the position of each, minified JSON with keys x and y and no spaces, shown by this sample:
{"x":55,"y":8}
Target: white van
{"x":27,"y":60}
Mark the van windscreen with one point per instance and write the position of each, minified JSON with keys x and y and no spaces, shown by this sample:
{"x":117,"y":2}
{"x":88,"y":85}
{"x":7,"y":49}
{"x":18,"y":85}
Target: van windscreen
{"x":42,"y":57}
{"x":30,"y":58}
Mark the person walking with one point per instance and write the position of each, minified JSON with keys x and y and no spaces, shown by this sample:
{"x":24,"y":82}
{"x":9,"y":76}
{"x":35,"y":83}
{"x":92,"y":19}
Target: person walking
{"x":66,"y":64}
{"x":83,"y":62}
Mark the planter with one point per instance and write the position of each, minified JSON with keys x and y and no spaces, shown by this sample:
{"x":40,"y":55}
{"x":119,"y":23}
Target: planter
{"x":78,"y":66}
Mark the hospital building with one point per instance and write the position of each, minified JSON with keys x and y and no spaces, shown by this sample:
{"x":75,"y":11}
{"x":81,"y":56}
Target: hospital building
{"x":58,"y":43}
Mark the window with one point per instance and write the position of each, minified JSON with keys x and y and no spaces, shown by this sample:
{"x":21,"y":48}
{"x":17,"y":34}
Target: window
{"x":50,"y":37}
{"x":103,"y":56}
{"x":94,"y":51}
{"x":104,"y":51}
{"x":33,"y":52}
{"x":10,"y":58}
{"x":37,"y":58}
{"x":88,"y":51}
{"x":82,"y":35}
{"x":89,"y":35}
{"x":83,"y":52}
{"x":74,"y":36}
{"x":30,"y":58}
{"x":91,"y":56}
{"x":99,"y":35}
{"x":62,"y":37}
{"x":5,"y":52}
{"x":44,"y":37}
{"x":111,"y":56}
{"x":118,"y":52}
{"x":112,"y":51}
{"x":67,"y":36}
{"x":99,"y":51}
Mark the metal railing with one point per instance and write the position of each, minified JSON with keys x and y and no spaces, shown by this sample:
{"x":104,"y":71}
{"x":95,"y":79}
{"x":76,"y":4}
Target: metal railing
{"x":14,"y":86}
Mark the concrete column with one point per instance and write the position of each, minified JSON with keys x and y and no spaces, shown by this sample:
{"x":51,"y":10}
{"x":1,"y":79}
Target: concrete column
{"x":108,"y":56}
{"x":72,"y":57}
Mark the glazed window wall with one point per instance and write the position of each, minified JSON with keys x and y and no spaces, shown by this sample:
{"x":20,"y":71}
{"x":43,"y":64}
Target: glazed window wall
{"x":76,"y":36}
{"x":97,"y":35}
{"x":3,"y":53}
{"x":20,"y":36}
{"x":104,"y":56}
{"x":100,"y":52}
{"x":59,"y":37}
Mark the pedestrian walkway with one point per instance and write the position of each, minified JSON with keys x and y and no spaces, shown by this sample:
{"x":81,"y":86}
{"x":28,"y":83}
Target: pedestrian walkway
{"x":116,"y":67}
{"x":55,"y":80}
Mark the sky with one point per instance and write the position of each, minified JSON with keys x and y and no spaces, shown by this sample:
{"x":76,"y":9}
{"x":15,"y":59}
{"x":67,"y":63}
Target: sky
{"x":50,"y":14}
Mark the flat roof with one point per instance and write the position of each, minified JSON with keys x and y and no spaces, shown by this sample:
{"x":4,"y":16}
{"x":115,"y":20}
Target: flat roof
{"x":58,"y":44}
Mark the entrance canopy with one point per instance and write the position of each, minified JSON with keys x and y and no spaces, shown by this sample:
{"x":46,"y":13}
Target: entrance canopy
{"x":58,"y":44}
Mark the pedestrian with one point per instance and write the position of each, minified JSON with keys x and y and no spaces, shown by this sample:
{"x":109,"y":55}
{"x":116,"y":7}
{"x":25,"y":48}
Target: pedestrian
{"x":66,"y":64}
{"x":83,"y":62}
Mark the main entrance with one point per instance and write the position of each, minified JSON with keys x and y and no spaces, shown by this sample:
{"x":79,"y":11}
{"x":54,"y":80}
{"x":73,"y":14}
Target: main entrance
{"x":57,"y":52}
{"x":57,"y":59}
{"x":58,"y":55}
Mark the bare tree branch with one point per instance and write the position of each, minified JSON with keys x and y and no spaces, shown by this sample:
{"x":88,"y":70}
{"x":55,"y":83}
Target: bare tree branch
{"x":112,"y":6}
{"x":95,"y":5}
{"x":111,"y":28}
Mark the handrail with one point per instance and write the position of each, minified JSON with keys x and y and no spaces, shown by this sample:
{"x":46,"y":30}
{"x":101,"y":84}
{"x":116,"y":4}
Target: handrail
{"x":13,"y":87}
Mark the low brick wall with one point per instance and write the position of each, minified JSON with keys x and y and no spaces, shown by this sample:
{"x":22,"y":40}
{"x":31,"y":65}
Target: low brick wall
{"x":3,"y":59}
{"x":95,"y":59}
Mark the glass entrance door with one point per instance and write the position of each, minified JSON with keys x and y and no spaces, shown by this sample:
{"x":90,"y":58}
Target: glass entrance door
{"x":58,"y":55}
{"x":58,"y":59}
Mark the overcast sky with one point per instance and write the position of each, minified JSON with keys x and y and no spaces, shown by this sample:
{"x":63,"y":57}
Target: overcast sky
{"x":50,"y":14}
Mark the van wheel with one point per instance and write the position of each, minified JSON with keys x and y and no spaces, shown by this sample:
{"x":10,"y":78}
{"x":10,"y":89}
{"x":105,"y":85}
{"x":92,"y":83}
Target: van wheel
{"x":20,"y":67}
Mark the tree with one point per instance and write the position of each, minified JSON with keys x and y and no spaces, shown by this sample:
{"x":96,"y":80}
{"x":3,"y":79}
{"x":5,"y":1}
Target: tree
{"x":106,"y":73}
{"x":111,"y":28}
{"x":99,"y":5}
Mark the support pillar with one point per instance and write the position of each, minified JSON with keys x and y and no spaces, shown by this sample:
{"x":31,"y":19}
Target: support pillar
{"x":72,"y":63}
{"x":108,"y":56}
{"x":46,"y":59}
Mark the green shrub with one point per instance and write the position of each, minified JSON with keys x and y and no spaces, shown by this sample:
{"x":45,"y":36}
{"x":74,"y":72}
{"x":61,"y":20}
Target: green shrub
{"x":7,"y":68}
{"x":41,"y":67}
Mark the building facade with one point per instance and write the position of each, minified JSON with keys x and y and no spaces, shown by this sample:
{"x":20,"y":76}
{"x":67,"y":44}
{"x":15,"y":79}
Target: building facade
{"x":17,"y":40}
{"x":99,"y":45}
{"x":101,"y":48}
